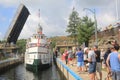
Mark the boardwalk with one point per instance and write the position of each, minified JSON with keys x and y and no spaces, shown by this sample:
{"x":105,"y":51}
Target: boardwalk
{"x":83,"y":75}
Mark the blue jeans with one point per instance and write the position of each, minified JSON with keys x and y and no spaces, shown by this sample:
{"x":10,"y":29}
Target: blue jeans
{"x":115,"y":75}
{"x":92,"y":67}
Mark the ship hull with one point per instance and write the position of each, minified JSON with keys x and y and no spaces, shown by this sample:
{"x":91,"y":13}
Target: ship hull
{"x":37,"y":66}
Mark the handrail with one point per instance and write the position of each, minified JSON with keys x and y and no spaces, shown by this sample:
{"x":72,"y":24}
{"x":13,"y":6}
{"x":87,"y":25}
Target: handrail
{"x":70,"y":71}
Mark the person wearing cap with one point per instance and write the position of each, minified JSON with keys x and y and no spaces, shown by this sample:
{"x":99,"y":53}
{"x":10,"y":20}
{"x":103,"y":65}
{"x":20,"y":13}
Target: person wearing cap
{"x":113,"y":63}
{"x":92,"y":62}
{"x":80,"y":61}
{"x":85,"y":60}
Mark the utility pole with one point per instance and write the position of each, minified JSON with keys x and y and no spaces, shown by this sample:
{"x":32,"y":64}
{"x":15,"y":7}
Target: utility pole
{"x":94,"y":12}
{"x":116,"y":5}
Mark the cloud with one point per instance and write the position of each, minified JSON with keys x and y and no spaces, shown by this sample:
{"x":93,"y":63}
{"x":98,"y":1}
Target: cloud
{"x":52,"y":17}
{"x":48,"y":29}
{"x":105,"y":11}
{"x":9,"y":3}
{"x":93,"y":3}
{"x":105,"y":20}
{"x":54,"y":14}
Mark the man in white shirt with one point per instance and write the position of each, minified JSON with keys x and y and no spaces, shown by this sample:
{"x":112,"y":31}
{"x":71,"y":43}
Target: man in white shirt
{"x":92,"y":62}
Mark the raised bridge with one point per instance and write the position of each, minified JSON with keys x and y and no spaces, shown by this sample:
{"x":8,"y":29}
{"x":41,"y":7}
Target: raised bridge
{"x":14,"y":30}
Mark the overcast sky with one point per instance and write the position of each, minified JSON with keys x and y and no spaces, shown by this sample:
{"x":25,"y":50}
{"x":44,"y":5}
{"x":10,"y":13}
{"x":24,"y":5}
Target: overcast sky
{"x":54,"y":14}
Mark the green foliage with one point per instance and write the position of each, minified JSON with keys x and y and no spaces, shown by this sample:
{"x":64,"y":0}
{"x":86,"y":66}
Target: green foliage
{"x":2,"y":41}
{"x":53,"y":44}
{"x":85,"y":30}
{"x":73,"y":23}
{"x":80,"y":29}
{"x":62,"y":50}
{"x":53,"y":41}
{"x":22,"y":45}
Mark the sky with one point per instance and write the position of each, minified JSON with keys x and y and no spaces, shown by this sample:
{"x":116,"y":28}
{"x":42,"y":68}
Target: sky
{"x":54,"y":14}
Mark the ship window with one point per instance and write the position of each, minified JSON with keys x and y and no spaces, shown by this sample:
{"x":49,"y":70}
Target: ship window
{"x":39,"y":56}
{"x":35,"y":37}
{"x":41,"y":37}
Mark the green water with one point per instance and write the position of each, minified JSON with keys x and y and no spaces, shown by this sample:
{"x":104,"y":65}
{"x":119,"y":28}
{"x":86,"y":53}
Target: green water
{"x":20,"y":73}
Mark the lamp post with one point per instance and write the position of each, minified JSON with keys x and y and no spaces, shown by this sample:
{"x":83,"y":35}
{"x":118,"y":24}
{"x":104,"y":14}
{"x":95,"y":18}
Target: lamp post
{"x":116,"y":6}
{"x":93,"y":11}
{"x":119,"y":34}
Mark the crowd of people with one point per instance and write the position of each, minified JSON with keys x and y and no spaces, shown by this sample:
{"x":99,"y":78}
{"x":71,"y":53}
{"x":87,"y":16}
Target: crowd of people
{"x":92,"y":60}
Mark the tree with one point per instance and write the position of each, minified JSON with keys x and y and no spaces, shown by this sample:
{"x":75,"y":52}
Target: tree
{"x":85,"y":30}
{"x":22,"y":45}
{"x":73,"y":24}
{"x":53,"y":41}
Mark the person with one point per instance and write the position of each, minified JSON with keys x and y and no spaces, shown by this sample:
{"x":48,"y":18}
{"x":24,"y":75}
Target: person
{"x":70,"y":56}
{"x":56,"y":53}
{"x":98,"y":62}
{"x":113,"y":63}
{"x":74,"y":55}
{"x":66,"y":56}
{"x":85,"y":61}
{"x":80,"y":61}
{"x":92,"y":62}
{"x":102,"y":53}
{"x":108,"y":51}
{"x":114,"y":43}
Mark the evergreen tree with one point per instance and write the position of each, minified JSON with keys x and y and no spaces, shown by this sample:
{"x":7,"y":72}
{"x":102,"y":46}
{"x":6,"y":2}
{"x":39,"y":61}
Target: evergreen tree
{"x":73,"y":24}
{"x":85,"y":30}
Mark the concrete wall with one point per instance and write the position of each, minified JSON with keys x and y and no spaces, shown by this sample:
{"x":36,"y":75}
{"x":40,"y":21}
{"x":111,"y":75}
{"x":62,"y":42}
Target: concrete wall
{"x":66,"y":72}
{"x":8,"y":64}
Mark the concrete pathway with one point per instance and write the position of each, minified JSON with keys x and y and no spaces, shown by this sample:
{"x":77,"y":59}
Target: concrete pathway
{"x":84,"y":75}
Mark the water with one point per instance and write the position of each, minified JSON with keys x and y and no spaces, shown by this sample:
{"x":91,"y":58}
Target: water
{"x":20,"y":73}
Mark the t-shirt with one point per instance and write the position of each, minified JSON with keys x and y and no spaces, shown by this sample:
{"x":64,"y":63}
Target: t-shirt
{"x":85,"y":56}
{"x":97,"y":52}
{"x":80,"y":56}
{"x":91,"y":55}
{"x":106,"y":55}
{"x":70,"y":54}
{"x":114,"y":61}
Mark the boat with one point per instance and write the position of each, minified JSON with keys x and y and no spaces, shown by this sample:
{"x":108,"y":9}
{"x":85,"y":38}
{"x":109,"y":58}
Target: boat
{"x":37,"y":55}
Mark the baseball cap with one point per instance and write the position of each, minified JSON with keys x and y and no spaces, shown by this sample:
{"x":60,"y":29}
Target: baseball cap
{"x":86,"y":48}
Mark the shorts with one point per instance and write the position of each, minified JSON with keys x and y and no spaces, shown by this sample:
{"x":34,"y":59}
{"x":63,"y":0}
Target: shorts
{"x":80,"y":64}
{"x":92,"y":67}
{"x":98,"y":67}
{"x":69,"y":59}
{"x":115,"y":75}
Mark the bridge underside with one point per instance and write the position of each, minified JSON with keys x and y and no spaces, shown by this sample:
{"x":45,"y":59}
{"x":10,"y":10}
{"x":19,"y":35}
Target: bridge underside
{"x":14,"y":30}
{"x":59,"y":47}
{"x":17,"y":24}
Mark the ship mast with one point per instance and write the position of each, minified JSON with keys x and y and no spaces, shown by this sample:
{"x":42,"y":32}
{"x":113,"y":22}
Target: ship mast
{"x":39,"y":29}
